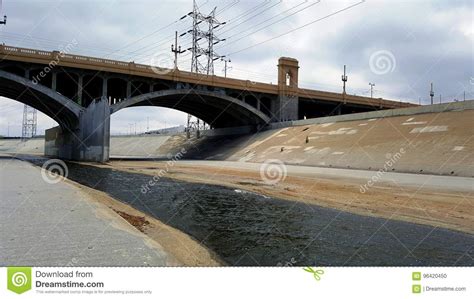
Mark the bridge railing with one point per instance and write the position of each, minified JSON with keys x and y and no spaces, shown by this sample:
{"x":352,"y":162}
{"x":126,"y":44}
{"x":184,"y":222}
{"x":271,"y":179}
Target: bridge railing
{"x":177,"y":75}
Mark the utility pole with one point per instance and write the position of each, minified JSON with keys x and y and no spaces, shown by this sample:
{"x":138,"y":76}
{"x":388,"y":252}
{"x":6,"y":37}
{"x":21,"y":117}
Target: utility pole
{"x":147,"y":124}
{"x":344,"y":80}
{"x":29,"y":123}
{"x":431,"y":93}
{"x":225,"y":65}
{"x":372,"y":89}
{"x":176,"y":50}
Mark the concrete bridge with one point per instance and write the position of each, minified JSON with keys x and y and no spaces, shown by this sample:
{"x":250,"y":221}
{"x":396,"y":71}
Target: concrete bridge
{"x":80,"y":93}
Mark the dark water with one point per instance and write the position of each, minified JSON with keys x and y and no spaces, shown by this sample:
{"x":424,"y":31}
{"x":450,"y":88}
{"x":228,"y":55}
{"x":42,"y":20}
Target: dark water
{"x":249,"y":229}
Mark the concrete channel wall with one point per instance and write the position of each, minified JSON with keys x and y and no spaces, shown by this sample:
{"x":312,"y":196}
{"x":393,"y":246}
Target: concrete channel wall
{"x":433,"y":139}
{"x":437,"y":108}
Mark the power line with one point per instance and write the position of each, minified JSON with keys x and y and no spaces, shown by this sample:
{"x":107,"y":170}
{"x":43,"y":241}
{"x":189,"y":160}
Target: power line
{"x":297,"y":28}
{"x":273,"y":23}
{"x":197,"y":49}
{"x":256,"y":14}
{"x":155,"y":45}
{"x":255,"y":10}
{"x":268,"y":25}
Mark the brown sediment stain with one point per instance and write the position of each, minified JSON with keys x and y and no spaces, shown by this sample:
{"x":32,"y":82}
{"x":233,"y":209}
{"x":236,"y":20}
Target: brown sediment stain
{"x":138,"y":221}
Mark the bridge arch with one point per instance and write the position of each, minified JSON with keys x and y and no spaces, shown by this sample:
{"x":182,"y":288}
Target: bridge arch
{"x":63,"y":110}
{"x":14,"y":69}
{"x":216,"y":109}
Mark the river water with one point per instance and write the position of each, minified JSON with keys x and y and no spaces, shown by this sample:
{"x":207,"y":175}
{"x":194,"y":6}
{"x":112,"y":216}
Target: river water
{"x":244,"y":228}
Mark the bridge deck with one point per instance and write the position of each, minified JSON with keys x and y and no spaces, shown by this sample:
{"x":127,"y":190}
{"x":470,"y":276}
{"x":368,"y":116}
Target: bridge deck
{"x":135,"y":69}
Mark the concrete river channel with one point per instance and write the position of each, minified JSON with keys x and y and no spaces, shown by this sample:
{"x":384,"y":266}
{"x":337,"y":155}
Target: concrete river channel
{"x":247,"y":229}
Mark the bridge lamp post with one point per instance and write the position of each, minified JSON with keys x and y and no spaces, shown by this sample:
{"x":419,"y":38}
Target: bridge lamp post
{"x":225,"y":65}
{"x":432,"y":93}
{"x":372,"y":89}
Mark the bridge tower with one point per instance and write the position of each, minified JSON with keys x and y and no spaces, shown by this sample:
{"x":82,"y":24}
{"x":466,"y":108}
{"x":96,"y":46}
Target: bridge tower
{"x":286,"y":107}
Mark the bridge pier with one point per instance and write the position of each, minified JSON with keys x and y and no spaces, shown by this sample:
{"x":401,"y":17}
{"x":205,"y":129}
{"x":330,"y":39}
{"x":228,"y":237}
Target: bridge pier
{"x":88,"y":141}
{"x":286,"y":106}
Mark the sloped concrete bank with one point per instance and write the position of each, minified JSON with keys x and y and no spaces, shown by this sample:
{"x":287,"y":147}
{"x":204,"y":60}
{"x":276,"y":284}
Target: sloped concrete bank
{"x":434,"y":139}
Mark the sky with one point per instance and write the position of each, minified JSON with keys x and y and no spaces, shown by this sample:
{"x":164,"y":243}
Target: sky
{"x":400,"y":46}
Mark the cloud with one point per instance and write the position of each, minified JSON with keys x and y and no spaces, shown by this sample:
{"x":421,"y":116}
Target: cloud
{"x":432,"y":41}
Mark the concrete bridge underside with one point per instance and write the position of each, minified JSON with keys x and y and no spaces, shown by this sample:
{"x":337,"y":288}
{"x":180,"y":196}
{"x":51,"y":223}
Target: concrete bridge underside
{"x":84,"y":132}
{"x":80,"y":93}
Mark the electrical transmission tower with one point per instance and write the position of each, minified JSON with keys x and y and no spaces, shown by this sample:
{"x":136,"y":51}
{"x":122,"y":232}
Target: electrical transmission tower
{"x":203,"y":40}
{"x":29,"y":123}
{"x":202,"y":50}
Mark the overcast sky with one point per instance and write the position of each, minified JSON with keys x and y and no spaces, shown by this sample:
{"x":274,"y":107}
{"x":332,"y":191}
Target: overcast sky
{"x":401,"y":46}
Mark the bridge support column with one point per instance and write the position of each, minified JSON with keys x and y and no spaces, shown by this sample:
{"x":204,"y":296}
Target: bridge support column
{"x":89,"y":141}
{"x":285,"y":108}
{"x":54,"y":78}
{"x":79,"y":89}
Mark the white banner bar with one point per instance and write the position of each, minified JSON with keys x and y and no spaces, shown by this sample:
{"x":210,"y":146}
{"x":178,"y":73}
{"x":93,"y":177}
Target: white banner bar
{"x":238,"y":282}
